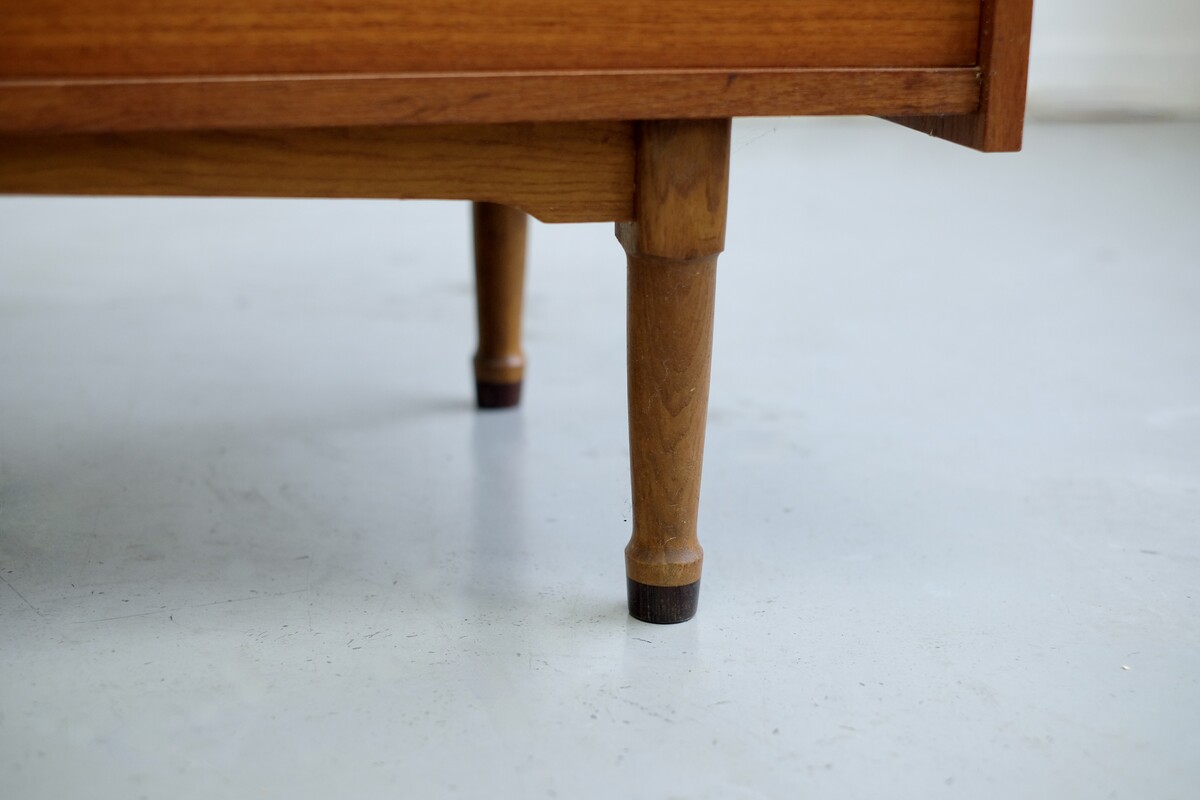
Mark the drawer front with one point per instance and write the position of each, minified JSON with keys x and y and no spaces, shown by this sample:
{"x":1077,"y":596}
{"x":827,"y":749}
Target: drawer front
{"x":142,"y":38}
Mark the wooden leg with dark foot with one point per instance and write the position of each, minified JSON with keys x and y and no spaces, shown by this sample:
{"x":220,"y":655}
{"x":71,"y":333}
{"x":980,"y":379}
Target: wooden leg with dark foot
{"x":672,"y":247}
{"x":499,"y":286}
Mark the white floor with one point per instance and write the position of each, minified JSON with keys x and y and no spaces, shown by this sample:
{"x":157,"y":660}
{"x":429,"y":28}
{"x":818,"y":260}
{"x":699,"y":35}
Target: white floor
{"x":256,"y":542}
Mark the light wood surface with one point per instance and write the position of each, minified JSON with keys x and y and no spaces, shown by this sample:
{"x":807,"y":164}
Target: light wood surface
{"x":999,"y":123}
{"x":672,"y":247}
{"x":215,"y":103}
{"x":128,"y":38}
{"x":499,"y":234}
{"x":558,"y":172}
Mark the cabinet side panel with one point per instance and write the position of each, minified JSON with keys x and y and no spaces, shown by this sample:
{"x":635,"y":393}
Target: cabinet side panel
{"x":1003,"y":70}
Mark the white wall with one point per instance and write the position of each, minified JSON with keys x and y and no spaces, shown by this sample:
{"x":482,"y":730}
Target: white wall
{"x":1116,"y":57}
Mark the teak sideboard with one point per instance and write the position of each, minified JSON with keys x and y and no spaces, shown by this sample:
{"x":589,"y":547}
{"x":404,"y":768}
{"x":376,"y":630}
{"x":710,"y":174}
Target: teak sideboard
{"x":595,"y":110}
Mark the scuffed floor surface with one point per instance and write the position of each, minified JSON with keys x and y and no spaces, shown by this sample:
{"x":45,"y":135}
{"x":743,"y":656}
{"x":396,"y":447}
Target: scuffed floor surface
{"x":256,"y":543}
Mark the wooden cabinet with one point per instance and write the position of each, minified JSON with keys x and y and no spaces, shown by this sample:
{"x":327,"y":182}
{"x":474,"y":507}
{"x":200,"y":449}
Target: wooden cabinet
{"x":603,"y":110}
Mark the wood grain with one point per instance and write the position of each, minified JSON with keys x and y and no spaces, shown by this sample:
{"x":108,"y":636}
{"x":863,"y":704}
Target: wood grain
{"x":560,"y":172}
{"x":127,"y":105}
{"x":999,"y":123}
{"x":499,"y":233}
{"x":115,"y":38}
{"x":672,"y":246}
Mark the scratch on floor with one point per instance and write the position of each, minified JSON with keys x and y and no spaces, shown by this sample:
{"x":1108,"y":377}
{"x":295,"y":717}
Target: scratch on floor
{"x":184,"y":608}
{"x":23,"y":598}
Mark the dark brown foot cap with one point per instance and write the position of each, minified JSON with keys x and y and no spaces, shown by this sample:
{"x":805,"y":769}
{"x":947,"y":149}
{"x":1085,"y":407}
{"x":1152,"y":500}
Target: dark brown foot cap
{"x":663,"y":605}
{"x":497,"y":395}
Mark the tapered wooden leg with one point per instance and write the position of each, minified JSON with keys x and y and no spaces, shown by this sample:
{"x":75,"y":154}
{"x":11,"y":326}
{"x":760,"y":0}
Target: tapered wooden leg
{"x":499,"y":285}
{"x":672,"y":247}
